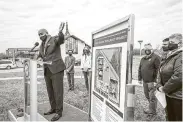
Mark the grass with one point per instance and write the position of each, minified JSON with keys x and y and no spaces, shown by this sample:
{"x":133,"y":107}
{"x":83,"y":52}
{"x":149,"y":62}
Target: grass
{"x":11,"y":95}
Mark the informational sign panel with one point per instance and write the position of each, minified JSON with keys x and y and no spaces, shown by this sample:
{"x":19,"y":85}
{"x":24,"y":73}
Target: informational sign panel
{"x":111,"y":66}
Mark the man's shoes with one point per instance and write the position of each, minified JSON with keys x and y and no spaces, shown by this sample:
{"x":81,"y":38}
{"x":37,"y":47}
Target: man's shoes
{"x":50,"y":112}
{"x":20,"y":114}
{"x":56,"y":117}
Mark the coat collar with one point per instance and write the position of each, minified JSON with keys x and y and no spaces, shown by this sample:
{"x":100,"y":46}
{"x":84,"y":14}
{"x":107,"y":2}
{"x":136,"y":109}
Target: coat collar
{"x":46,"y":44}
{"x":149,"y":56}
{"x":173,"y":53}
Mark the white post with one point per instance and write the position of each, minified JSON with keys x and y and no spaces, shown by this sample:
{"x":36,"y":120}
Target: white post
{"x":140,"y":42}
{"x":33,"y":90}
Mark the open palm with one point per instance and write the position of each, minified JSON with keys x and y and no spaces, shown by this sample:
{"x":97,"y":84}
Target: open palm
{"x":61,"y":26}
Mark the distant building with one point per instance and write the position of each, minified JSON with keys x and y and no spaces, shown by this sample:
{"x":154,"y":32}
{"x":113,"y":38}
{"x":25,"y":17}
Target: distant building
{"x":73,"y":43}
{"x":19,"y":52}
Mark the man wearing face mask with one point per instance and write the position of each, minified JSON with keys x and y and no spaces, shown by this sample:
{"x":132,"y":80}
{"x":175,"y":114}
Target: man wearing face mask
{"x":171,"y":78}
{"x":165,"y":49}
{"x":147,"y":72}
{"x":70,"y":62}
{"x":54,"y":71}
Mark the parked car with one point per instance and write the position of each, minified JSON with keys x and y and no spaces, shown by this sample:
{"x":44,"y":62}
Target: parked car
{"x":8,"y":64}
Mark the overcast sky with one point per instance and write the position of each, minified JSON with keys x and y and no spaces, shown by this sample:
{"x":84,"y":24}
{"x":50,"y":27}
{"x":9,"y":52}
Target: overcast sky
{"x":21,"y":19}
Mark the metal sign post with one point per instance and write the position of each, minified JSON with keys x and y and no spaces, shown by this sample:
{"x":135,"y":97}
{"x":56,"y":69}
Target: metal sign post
{"x":30,"y":90}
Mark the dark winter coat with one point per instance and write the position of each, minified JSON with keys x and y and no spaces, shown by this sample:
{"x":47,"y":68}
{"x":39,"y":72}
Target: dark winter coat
{"x":148,"y":68}
{"x":171,"y":75}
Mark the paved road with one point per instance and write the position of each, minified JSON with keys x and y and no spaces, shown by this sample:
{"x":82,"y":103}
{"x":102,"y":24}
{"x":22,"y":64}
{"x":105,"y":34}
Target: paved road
{"x":21,"y":70}
{"x":14,"y":70}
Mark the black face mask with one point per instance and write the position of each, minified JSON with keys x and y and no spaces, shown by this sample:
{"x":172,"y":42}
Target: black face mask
{"x":172,"y":46}
{"x":147,"y":52}
{"x":165,"y":48}
{"x":70,"y":54}
{"x":43,"y":38}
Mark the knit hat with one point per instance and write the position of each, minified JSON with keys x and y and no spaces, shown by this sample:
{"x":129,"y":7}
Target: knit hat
{"x":177,"y":37}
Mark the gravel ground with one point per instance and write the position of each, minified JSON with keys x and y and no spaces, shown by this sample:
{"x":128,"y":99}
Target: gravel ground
{"x":141,"y":102}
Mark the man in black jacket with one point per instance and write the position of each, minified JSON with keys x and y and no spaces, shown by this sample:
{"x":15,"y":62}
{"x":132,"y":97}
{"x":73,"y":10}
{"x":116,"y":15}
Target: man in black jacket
{"x":148,"y":70}
{"x":53,"y":72}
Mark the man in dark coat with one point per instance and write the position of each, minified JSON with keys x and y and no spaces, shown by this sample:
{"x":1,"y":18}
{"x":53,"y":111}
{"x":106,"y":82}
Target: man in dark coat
{"x":53,"y":71}
{"x":70,"y":62}
{"x":148,"y":70}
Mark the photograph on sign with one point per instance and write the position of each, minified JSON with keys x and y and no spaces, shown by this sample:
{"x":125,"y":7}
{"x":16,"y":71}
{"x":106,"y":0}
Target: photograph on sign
{"x":107,"y":73}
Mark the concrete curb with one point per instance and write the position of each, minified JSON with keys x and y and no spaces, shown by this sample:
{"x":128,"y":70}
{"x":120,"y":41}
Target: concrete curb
{"x":11,"y":116}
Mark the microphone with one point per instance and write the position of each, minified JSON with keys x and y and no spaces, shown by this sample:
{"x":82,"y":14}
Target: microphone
{"x":35,"y":45}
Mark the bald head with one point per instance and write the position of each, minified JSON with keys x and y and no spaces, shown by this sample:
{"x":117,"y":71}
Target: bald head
{"x":43,"y":31}
{"x":43,"y":34}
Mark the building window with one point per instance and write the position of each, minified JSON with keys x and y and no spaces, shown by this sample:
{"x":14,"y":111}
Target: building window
{"x":71,"y":44}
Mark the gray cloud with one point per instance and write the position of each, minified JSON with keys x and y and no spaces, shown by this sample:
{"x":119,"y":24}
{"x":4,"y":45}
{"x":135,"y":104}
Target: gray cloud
{"x":170,"y":3}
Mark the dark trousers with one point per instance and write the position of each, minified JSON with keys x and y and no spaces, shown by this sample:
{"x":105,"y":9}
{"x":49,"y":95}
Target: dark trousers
{"x":70,"y":78}
{"x":87,"y":77}
{"x":149,"y":90}
{"x":54,"y":84}
{"x":174,"y":109}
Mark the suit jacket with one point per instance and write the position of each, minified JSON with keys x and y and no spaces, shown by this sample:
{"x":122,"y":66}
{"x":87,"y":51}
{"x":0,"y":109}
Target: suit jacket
{"x":51,"y":52}
{"x":70,"y":62}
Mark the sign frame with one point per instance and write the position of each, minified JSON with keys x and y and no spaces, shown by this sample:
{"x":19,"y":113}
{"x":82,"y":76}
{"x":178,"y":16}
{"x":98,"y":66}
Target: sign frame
{"x":129,"y":47}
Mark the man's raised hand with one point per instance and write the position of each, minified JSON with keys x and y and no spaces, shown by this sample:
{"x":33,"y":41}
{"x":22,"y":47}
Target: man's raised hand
{"x":61,"y":26}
